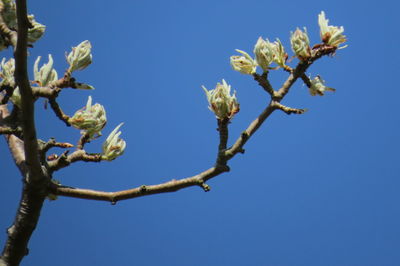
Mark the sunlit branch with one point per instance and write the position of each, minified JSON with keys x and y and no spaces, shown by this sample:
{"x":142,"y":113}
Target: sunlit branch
{"x":144,"y":190}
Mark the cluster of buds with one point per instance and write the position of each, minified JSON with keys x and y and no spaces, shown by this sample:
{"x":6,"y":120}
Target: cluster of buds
{"x":114,"y":146}
{"x":318,"y":86}
{"x":90,"y":119}
{"x":300,"y":44}
{"x":243,"y":63}
{"x":221,"y":102}
{"x":10,"y":19}
{"x":330,"y":35}
{"x":7,"y":72}
{"x":80,"y":56}
{"x":46,"y":74}
{"x":266,"y":53}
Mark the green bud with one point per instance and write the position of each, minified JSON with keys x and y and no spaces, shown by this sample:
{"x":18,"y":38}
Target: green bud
{"x":114,"y":146}
{"x":46,"y":74}
{"x":300,"y":44}
{"x":37,"y":31}
{"x":243,"y":63}
{"x":330,"y":35}
{"x":90,"y":119}
{"x":264,"y":52}
{"x":7,"y":72}
{"x":318,"y":86}
{"x":280,"y":56}
{"x":80,"y":56}
{"x":221,"y":102}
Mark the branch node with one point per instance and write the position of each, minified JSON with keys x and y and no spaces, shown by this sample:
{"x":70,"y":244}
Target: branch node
{"x":143,"y":188}
{"x":205,"y":187}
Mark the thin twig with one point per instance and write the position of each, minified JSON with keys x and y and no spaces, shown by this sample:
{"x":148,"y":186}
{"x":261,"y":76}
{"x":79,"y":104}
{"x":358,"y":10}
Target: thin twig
{"x":264,"y":82}
{"x":59,"y":113}
{"x":288,"y":110}
{"x":66,"y":159}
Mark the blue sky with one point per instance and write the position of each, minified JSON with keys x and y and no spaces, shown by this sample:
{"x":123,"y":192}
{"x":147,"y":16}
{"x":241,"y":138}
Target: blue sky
{"x":315,"y":189}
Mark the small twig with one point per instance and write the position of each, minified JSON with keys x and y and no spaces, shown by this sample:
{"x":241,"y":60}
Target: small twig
{"x":59,"y":113}
{"x":9,"y":130}
{"x":264,"y":82}
{"x":51,"y":143}
{"x":85,"y":138}
{"x":223,"y":140}
{"x":46,"y":92}
{"x":288,"y":110}
{"x":306,"y":80}
{"x":65,"y":160}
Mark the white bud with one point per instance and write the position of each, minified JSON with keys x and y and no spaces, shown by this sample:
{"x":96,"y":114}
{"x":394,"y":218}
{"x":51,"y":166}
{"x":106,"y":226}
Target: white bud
{"x":80,"y":56}
{"x":318,"y":86}
{"x":300,"y":44}
{"x":114,"y":146}
{"x":330,"y":35}
{"x":46,"y":74}
{"x":264,"y":52}
{"x":90,"y":119}
{"x":7,"y":72}
{"x":243,"y":63}
{"x":36,"y":31}
{"x":222,"y":103}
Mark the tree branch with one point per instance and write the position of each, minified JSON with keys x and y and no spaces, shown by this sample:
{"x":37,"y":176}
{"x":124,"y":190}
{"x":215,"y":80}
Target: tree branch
{"x":288,"y":110}
{"x":27,"y":99}
{"x":35,"y":182}
{"x":264,"y":82}
{"x":144,"y":190}
{"x":59,"y":113}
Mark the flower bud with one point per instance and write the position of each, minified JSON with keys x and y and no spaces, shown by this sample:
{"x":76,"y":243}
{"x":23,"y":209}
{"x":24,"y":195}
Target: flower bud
{"x":35,"y":32}
{"x":221,"y":102}
{"x":300,"y":44}
{"x":80,"y":56}
{"x":264,"y":52}
{"x":113,"y":146}
{"x":318,"y":86}
{"x":46,"y":74}
{"x":330,"y":35}
{"x":280,"y":56}
{"x":243,"y":63}
{"x":7,"y":72}
{"x":90,"y":119}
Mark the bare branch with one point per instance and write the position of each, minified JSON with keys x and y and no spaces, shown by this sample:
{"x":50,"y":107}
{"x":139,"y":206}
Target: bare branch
{"x":9,"y":130}
{"x":27,"y":99}
{"x":35,"y":182}
{"x":65,"y":160}
{"x":59,"y":113}
{"x":144,"y":190}
{"x":288,"y":110}
{"x":264,"y":82}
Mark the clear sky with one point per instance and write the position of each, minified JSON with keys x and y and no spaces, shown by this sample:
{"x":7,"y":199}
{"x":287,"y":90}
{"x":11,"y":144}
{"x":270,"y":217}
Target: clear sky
{"x":317,"y":189}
